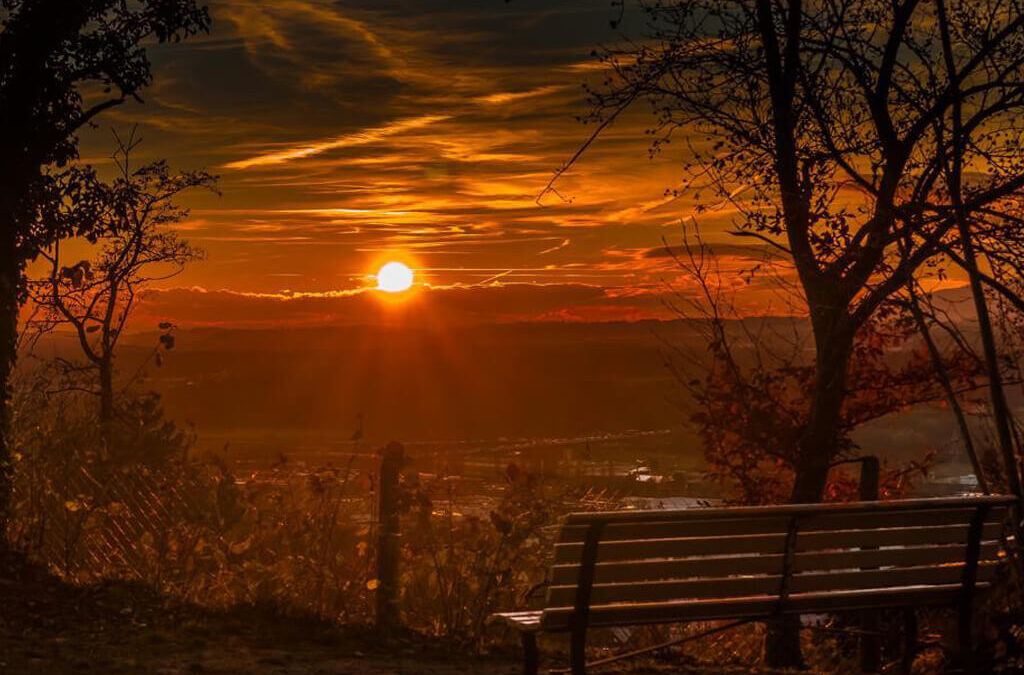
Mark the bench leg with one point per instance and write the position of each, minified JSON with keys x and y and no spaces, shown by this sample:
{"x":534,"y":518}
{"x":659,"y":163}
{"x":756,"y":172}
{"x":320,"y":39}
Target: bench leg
{"x":965,"y":630}
{"x":870,"y":643}
{"x":578,"y":652}
{"x":531,"y":658}
{"x":909,"y":639}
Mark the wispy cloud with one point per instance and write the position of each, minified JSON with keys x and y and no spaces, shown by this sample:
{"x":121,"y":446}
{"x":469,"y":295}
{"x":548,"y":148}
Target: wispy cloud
{"x":557,"y":247}
{"x":349,"y":133}
{"x":363,"y":137}
{"x":487,"y":301}
{"x":512,"y":96}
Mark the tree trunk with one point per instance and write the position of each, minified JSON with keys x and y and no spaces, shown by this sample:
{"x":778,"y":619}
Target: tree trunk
{"x":954,"y":174}
{"x":106,"y":371}
{"x":10,"y":285}
{"x":947,"y":387}
{"x":819,"y":443}
{"x":1000,"y":408}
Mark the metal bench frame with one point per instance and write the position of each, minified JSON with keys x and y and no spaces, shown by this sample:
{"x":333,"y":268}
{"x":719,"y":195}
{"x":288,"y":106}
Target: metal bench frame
{"x":530,"y":623}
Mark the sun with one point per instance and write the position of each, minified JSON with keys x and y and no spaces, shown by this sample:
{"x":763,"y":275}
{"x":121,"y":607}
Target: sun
{"x":394,"y":277}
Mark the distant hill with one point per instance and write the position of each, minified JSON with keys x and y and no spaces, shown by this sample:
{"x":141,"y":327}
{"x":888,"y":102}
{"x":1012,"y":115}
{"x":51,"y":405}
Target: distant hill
{"x":471,"y":382}
{"x":540,"y":379}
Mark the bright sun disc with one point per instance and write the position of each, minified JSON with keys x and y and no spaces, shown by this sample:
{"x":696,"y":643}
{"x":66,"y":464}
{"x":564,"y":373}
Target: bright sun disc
{"x":394,"y":277}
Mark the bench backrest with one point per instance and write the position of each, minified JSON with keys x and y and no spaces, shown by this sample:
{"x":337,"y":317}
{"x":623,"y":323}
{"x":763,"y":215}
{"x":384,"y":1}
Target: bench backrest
{"x":630,"y":567}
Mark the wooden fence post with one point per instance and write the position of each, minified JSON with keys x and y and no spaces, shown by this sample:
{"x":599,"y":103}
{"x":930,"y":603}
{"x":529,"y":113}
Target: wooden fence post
{"x":388,"y":539}
{"x":870,"y":641}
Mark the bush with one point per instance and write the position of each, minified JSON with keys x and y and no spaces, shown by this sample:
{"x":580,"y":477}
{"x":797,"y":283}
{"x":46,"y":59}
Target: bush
{"x":297,"y":539}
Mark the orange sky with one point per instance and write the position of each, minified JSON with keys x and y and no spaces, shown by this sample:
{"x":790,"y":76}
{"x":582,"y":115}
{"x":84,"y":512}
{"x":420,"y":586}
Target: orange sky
{"x":350,"y":133}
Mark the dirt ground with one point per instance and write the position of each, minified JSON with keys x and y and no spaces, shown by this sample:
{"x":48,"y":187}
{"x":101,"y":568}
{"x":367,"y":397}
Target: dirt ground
{"x":51,"y":628}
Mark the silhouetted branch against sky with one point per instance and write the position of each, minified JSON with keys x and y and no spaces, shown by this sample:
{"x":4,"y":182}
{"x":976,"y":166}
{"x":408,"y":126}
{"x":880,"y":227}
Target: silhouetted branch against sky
{"x":830,"y":129}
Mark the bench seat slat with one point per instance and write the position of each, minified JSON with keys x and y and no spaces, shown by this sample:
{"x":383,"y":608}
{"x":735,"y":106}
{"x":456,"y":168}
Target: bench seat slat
{"x":725,"y":566}
{"x":640,"y":549}
{"x":659,"y":591}
{"x":899,"y":556}
{"x":908,"y":536}
{"x":674,"y":548}
{"x":722,"y":527}
{"x":636,"y":516}
{"x":557,"y":618}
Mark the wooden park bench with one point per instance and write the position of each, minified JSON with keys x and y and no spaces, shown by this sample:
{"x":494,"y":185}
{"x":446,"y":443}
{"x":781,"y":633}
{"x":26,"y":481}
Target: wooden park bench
{"x":743,"y":564}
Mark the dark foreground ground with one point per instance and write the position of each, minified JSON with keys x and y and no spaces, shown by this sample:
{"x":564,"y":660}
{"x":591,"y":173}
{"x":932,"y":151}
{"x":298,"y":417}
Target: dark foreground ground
{"x":51,"y":628}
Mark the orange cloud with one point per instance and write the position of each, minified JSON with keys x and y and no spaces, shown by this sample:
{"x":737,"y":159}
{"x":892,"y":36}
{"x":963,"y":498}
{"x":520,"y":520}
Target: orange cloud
{"x":512,"y":96}
{"x":364,"y":137}
{"x":453,"y":123}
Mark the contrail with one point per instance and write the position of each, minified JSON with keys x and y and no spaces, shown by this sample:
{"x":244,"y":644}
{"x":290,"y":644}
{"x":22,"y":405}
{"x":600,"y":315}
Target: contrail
{"x":360,"y":138}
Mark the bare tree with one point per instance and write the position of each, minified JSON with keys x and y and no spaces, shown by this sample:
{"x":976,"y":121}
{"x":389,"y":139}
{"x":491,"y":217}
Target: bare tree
{"x":136,"y":247}
{"x":952,"y":396}
{"x":953,"y":169}
{"x":828,"y":126}
{"x":747,"y":391}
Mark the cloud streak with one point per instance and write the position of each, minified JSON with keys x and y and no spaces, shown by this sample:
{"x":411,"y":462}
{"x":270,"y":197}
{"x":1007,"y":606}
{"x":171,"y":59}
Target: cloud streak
{"x":312,"y":149}
{"x":513,"y":96}
{"x":353,"y":133}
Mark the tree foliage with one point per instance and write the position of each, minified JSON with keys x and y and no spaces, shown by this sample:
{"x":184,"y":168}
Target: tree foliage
{"x":137,"y":246}
{"x":750,"y":390}
{"x":62,"y":64}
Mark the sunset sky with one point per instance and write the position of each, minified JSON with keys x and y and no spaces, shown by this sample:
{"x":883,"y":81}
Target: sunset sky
{"x":350,"y":133}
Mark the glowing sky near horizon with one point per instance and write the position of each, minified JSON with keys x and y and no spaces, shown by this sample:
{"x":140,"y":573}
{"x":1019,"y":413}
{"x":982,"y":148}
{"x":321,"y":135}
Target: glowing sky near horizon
{"x":349,"y":133}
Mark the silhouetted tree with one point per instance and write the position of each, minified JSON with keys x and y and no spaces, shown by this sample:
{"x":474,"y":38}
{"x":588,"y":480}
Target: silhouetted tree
{"x":95,"y":298}
{"x":828,"y":126}
{"x":953,"y":170}
{"x":62,"y":64}
{"x":749,"y":390}
{"x":952,"y":395}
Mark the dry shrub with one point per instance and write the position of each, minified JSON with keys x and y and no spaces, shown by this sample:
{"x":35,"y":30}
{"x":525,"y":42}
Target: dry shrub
{"x":287,"y":537}
{"x":292,"y":539}
{"x":466,"y":560}
{"x":297,"y":539}
{"x":128,"y":504}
